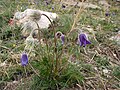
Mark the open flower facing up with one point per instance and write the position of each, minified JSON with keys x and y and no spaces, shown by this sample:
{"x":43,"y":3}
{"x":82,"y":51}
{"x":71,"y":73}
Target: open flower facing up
{"x":82,"y":39}
{"x":24,"y":59}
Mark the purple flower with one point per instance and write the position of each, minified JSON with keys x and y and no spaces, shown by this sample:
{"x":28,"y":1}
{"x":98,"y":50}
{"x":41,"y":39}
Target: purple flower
{"x":63,"y":6}
{"x":53,"y":8}
{"x":58,"y":34}
{"x":24,"y":59}
{"x":107,"y":14}
{"x":47,"y":3}
{"x":82,"y":39}
{"x":62,"y":37}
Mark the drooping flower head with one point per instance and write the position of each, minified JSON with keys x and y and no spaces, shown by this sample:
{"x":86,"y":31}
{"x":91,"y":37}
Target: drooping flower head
{"x":58,"y":34}
{"x":62,"y":37}
{"x":63,"y":6}
{"x":24,"y":59}
{"x":82,"y":39}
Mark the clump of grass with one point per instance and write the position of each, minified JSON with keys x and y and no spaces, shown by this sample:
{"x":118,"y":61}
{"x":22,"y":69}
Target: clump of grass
{"x":102,"y":61}
{"x":68,"y":77}
{"x":116,"y":72}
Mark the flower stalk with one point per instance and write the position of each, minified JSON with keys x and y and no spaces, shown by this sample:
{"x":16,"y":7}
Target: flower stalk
{"x":55,"y":47}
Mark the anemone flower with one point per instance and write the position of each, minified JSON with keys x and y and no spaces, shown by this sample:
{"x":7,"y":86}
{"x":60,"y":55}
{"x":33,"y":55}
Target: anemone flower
{"x":82,"y":39}
{"x":62,"y":37}
{"x":24,"y":59}
{"x":58,"y":34}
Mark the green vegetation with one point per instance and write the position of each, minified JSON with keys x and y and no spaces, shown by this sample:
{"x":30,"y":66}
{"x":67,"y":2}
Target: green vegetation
{"x":56,"y":66}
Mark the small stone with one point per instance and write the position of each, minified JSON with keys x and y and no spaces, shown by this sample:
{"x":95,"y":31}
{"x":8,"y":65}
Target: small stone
{"x":105,"y":71}
{"x":3,"y":64}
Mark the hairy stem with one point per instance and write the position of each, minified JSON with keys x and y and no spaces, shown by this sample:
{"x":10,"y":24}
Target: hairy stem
{"x":55,"y":46}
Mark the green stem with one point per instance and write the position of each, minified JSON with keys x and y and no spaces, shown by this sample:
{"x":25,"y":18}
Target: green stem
{"x":38,"y":31}
{"x":45,"y":39}
{"x":55,"y":46}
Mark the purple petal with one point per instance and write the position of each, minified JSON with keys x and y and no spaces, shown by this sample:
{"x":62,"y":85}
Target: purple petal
{"x":88,"y":42}
{"x":82,"y":37}
{"x":84,"y":44}
{"x":83,"y":40}
{"x":24,"y":59}
{"x":62,"y":39}
{"x":81,"y":44}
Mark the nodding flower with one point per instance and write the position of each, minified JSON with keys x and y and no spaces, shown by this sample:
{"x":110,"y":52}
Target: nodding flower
{"x":63,"y":6}
{"x":82,"y":39}
{"x":24,"y":59}
{"x":58,"y":34}
{"x":62,"y":37}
